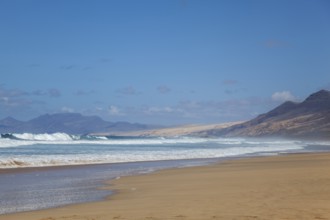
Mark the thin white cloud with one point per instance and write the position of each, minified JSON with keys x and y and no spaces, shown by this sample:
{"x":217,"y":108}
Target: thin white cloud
{"x":67,"y":109}
{"x":129,"y":90}
{"x":229,"y":82}
{"x":163,"y":89}
{"x":283,"y":96}
{"x":53,"y":93}
{"x":13,"y":98}
{"x":82,"y":92}
{"x":158,"y":110}
{"x":16,"y":102}
{"x":115,"y":111}
{"x":67,"y":67}
{"x":187,"y":111}
{"x":208,"y":111}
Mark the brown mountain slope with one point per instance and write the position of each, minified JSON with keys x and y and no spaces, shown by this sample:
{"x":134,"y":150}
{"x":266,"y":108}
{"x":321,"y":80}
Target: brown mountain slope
{"x":308,"y":119}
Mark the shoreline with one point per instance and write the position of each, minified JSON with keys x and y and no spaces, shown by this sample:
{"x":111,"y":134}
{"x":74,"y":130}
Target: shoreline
{"x":69,"y":166}
{"x":216,"y":160}
{"x":295,"y":186}
{"x":78,"y":184}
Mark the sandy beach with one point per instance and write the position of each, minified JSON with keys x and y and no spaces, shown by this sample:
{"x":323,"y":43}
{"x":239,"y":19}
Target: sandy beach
{"x":279,"y":187}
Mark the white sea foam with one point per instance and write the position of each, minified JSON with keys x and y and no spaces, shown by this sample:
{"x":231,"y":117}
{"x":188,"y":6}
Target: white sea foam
{"x":63,"y":149}
{"x":44,"y":137}
{"x":62,"y":138}
{"x":6,"y":143}
{"x":134,"y":150}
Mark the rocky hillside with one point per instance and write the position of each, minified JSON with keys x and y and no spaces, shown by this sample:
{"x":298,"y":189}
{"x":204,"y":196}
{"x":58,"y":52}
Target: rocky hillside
{"x":309,"y":119}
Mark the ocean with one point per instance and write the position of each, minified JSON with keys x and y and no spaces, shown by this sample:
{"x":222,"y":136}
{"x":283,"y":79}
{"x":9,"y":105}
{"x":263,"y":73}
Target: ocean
{"x":104,"y":158}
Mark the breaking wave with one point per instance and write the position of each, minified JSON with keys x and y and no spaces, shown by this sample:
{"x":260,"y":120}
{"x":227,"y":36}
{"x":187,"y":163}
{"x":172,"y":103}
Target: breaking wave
{"x":44,"y":137}
{"x":15,"y":140}
{"x":35,"y":150}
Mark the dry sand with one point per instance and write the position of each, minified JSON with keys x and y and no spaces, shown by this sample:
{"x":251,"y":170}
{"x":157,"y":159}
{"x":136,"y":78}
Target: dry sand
{"x":281,"y":187}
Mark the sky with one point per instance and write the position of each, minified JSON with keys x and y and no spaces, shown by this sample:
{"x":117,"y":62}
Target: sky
{"x":164,"y":62}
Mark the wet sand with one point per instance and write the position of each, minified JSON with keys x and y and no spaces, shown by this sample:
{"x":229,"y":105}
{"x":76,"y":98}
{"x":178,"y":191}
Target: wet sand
{"x":279,"y":187}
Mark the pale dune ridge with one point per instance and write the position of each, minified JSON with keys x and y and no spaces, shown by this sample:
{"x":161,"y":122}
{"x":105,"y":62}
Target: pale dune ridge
{"x":182,"y":130}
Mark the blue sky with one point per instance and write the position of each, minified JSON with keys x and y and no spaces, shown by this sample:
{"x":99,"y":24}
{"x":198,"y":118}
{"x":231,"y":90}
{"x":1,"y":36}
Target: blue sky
{"x":161,"y":61}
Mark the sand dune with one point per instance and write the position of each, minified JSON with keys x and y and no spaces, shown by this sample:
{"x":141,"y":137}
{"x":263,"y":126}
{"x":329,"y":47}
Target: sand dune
{"x":176,"y":131}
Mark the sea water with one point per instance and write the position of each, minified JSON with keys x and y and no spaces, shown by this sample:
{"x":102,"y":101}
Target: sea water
{"x":108,"y":158}
{"x":36,"y":150}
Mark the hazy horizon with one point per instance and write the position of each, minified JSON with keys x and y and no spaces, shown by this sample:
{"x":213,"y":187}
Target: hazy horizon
{"x":161,"y":62}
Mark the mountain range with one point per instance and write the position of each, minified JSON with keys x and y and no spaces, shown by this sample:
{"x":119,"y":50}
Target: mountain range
{"x":70,"y":123}
{"x":309,"y":119}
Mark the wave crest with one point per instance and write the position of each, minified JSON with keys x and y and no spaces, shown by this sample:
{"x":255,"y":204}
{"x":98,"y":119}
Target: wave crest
{"x":44,"y":137}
